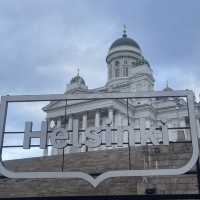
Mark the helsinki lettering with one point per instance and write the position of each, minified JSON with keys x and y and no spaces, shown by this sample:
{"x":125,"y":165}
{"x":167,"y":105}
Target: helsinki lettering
{"x":96,"y":136}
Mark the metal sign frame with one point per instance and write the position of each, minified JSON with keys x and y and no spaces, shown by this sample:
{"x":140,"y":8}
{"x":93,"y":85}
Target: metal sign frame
{"x":96,"y":96}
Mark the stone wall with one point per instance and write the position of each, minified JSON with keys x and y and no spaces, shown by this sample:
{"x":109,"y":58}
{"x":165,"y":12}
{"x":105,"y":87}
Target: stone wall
{"x":97,"y":162}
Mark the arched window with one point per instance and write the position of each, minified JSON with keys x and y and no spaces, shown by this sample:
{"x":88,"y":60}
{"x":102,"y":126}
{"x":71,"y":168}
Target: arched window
{"x":117,"y":72}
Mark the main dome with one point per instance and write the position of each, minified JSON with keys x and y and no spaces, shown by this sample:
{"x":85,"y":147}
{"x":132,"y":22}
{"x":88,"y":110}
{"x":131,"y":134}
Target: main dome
{"x":124,"y":41}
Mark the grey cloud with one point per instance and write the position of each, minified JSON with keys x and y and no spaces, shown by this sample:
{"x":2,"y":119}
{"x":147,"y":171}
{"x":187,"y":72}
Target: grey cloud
{"x":43,"y":42}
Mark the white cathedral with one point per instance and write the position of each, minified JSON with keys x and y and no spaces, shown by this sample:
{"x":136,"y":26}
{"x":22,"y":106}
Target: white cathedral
{"x":127,"y":71}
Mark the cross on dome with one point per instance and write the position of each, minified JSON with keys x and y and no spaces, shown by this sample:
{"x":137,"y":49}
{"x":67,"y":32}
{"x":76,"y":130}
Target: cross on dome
{"x":124,"y":31}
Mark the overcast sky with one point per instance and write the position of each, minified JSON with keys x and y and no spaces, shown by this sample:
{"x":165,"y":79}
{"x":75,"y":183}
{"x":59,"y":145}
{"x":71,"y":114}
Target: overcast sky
{"x":43,"y":42}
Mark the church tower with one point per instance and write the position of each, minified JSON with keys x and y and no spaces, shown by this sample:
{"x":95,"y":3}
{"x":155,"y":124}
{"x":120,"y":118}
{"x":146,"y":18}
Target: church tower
{"x":128,"y":70}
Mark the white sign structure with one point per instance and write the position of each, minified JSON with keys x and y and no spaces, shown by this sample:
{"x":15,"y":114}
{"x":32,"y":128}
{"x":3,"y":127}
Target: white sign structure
{"x":60,"y":137}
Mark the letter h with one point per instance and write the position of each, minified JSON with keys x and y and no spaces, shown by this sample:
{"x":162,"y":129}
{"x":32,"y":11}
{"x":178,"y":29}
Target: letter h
{"x":29,"y":134}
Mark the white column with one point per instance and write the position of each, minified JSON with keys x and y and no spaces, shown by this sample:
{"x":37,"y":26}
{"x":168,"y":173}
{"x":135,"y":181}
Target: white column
{"x":84,"y":121}
{"x":118,"y":123}
{"x":84,"y":126}
{"x":58,"y":122}
{"x":97,"y":118}
{"x":70,"y":123}
{"x":118,"y":119}
{"x":111,"y":120}
{"x":110,"y":115}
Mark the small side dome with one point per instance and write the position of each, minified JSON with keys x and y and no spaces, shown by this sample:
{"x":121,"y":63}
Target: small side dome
{"x":76,"y":82}
{"x":77,"y":79}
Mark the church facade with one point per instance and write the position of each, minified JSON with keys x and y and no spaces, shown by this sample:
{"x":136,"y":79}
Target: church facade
{"x":127,"y":71}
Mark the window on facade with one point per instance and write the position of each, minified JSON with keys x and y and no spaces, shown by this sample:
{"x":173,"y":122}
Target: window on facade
{"x":117,"y":72}
{"x":125,"y":71}
{"x":116,"y":63}
{"x":125,"y":62}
